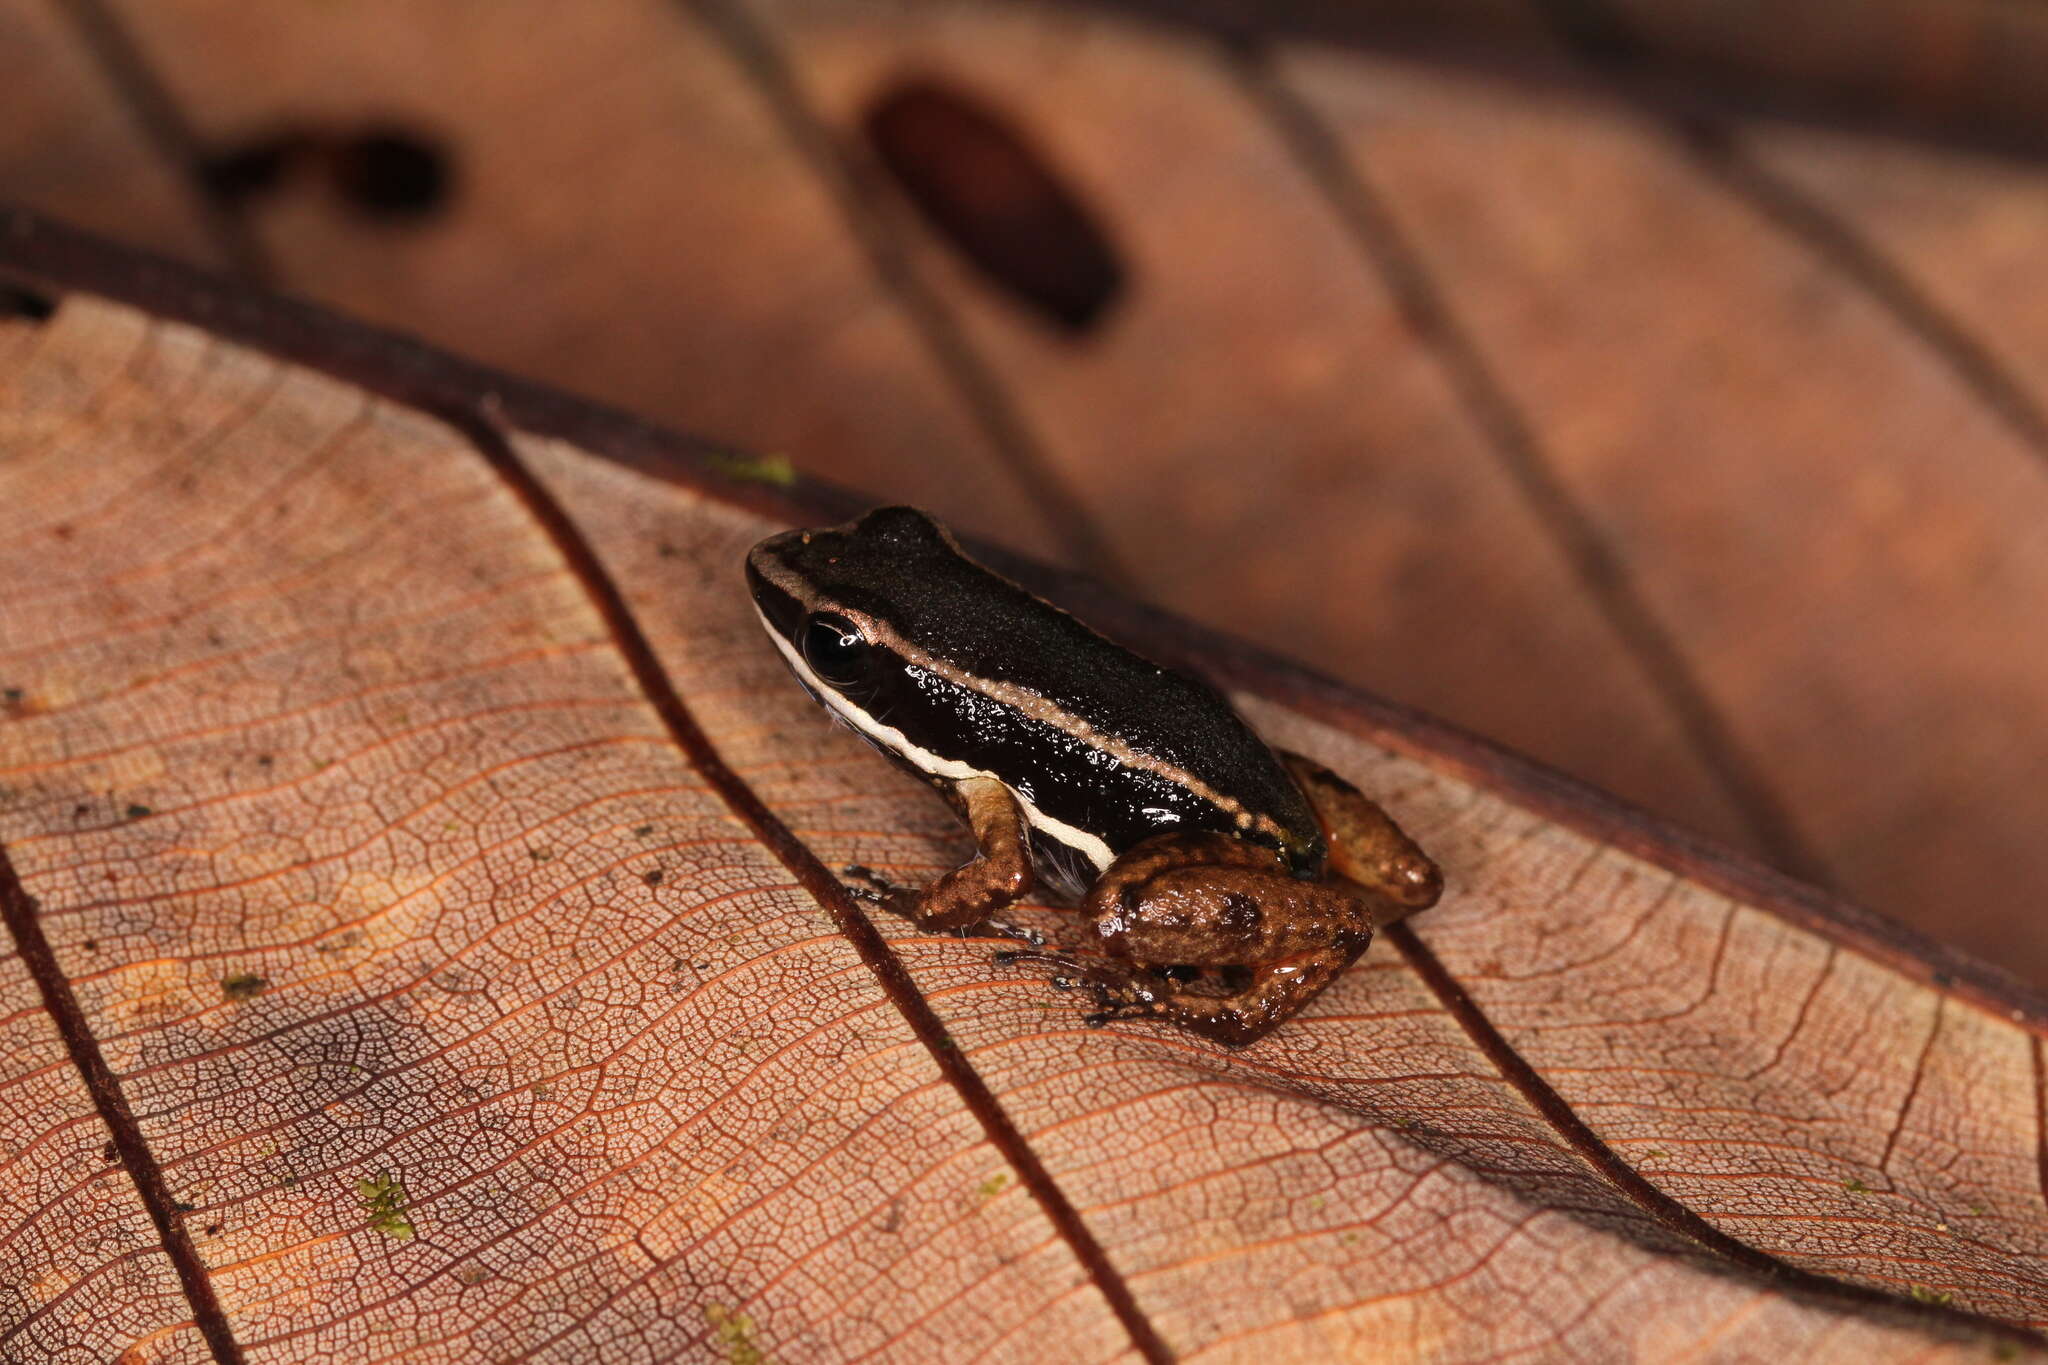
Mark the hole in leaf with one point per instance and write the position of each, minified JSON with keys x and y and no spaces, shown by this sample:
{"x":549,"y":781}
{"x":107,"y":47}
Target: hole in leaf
{"x":17,"y":302}
{"x":983,"y":188}
{"x":392,"y":173}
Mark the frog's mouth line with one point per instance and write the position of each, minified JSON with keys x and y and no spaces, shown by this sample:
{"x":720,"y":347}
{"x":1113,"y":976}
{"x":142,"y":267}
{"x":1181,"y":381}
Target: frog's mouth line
{"x":894,"y":742}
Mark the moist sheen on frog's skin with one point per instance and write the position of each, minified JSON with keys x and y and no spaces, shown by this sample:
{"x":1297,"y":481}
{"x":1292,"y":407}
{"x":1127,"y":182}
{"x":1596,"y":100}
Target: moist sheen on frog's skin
{"x":897,"y":567}
{"x":1054,"y":773}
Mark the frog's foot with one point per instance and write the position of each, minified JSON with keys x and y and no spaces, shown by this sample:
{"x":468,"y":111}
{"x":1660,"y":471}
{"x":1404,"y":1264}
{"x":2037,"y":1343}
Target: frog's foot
{"x":1124,"y":993}
{"x":1114,"y":1005}
{"x":870,"y":887}
{"x":866,"y":884}
{"x":1004,"y":929}
{"x":1069,"y":974}
{"x":1116,"y":988}
{"x":1037,"y":953}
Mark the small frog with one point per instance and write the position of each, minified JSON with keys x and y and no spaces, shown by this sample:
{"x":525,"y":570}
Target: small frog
{"x":1195,"y":851}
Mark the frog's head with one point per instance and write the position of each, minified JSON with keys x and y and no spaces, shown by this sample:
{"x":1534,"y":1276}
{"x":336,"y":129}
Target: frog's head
{"x":834,"y":596}
{"x":868,"y":615}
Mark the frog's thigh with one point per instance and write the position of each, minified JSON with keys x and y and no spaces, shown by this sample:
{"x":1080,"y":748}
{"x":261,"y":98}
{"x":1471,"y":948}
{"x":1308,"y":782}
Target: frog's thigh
{"x":998,"y":874}
{"x":1366,"y":846}
{"x":1277,"y":992}
{"x":1234,"y":916}
{"x":1186,"y":898}
{"x":1165,"y":852}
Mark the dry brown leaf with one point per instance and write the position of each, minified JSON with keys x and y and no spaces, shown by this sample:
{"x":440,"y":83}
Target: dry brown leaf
{"x":1724,"y":427}
{"x":425,"y":838}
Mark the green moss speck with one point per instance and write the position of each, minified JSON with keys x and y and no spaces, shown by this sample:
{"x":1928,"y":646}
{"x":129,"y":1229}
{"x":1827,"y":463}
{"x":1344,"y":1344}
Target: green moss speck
{"x":993,"y":1186}
{"x":1855,"y":1186}
{"x":243,"y":986}
{"x":735,"y":1333}
{"x":1922,"y":1294}
{"x":383,"y":1195}
{"x":774,"y":470}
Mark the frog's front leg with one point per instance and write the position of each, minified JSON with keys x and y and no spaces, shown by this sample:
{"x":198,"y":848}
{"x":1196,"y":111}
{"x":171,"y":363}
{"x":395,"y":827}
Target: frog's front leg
{"x":1366,"y":846}
{"x":997,"y":875}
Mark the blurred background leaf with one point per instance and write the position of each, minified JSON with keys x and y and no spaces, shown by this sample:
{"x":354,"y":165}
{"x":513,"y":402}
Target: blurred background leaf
{"x":1650,"y":384}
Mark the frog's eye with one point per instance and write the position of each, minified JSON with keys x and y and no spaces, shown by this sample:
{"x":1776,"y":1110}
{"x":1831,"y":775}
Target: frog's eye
{"x":835,"y":650}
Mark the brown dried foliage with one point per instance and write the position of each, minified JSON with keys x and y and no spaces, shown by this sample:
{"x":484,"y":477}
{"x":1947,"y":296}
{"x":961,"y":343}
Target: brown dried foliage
{"x":1724,"y":428}
{"x":350,"y":1020}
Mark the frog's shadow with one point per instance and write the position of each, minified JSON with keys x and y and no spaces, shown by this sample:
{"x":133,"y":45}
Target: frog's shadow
{"x":1436,"y":1118}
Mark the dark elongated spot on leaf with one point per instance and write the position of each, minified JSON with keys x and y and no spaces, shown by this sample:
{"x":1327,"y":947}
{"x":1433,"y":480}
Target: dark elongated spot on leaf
{"x":393,"y":173}
{"x":1595,"y":28}
{"x":984,"y":188}
{"x":256,"y":166}
{"x":379,"y":170}
{"x":17,"y":302}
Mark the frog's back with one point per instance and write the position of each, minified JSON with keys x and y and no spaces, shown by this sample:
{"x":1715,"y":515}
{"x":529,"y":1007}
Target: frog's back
{"x":1101,"y":737}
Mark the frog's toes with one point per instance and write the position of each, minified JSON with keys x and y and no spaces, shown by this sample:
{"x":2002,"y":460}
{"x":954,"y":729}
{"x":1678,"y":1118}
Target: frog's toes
{"x":1119,"y":996}
{"x":1005,"y":930}
{"x":1005,"y":957}
{"x":866,"y":884}
{"x":1113,"y":1010}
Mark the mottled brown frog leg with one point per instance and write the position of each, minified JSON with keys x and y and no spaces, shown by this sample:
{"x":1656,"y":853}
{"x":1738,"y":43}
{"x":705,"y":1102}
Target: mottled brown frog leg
{"x":1113,"y":902}
{"x":1277,"y":993}
{"x":1212,"y":901}
{"x":1394,"y":877}
{"x":997,"y":876}
{"x":1366,"y":846}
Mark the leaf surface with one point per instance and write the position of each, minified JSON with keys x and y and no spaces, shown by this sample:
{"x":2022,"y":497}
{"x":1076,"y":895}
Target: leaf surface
{"x":431,"y":847}
{"x":1724,"y":426}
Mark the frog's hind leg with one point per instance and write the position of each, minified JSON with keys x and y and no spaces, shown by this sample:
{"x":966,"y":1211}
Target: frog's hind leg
{"x":1159,"y":908}
{"x":1277,"y":992}
{"x":1366,"y":846}
{"x":1210,"y":901}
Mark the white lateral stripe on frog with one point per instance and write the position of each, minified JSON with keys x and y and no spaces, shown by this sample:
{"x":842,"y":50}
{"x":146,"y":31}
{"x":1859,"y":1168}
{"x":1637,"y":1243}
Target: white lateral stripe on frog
{"x":1022,"y":700}
{"x":896,"y":742}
